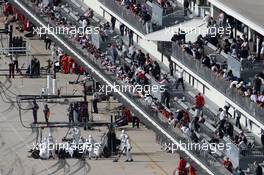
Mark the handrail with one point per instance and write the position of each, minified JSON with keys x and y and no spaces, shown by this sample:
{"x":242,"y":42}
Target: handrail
{"x":125,"y":14}
{"x":219,"y":84}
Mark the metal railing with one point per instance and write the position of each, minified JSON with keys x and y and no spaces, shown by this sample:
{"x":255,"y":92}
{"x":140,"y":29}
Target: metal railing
{"x":125,"y":14}
{"x":221,"y":85}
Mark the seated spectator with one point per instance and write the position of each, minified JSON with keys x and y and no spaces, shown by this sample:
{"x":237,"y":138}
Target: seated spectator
{"x":242,"y":137}
{"x":186,"y":131}
{"x":248,"y":93}
{"x":261,"y":99}
{"x":206,"y":62}
{"x":229,"y":129}
{"x":214,"y":140}
{"x":254,"y":97}
{"x":164,"y":80}
{"x":228,"y":75}
{"x":233,"y":84}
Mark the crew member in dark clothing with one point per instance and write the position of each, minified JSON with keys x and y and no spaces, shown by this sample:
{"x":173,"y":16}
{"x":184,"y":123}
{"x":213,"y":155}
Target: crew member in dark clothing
{"x":95,"y":101}
{"x":11,"y":69}
{"x":15,"y":61}
{"x":46,"y":112}
{"x":35,"y":108}
{"x":135,"y":121}
{"x":70,"y":113}
{"x":48,"y":42}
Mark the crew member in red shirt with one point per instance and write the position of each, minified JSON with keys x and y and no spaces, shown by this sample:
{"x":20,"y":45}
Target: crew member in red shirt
{"x":182,"y":166}
{"x":126,"y":113}
{"x":71,"y":64}
{"x":192,"y":170}
{"x":65,"y":64}
{"x":7,"y":9}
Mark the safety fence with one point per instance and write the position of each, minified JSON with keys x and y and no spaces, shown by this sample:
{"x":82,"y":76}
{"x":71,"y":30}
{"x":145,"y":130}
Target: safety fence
{"x":221,"y":85}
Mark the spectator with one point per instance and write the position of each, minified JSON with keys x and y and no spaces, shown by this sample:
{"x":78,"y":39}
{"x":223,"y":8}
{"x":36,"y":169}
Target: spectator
{"x":156,"y":70}
{"x":199,"y":104}
{"x":222,"y":114}
{"x":262,"y":50}
{"x":114,"y":53}
{"x":262,"y":138}
{"x":257,"y":84}
{"x":130,"y":36}
{"x":195,"y":124}
{"x":206,"y":62}
{"x":259,"y":170}
{"x":228,"y":165}
{"x":193,"y":136}
{"x":122,"y":29}
{"x":242,"y":147}
{"x":186,"y":5}
{"x":221,"y":19}
{"x":254,"y":97}
{"x":238,"y":116}
{"x":229,"y":129}
{"x":180,"y":79}
{"x":113,"y":22}
{"x":166,"y":96}
{"x":240,"y":172}
{"x":171,"y":68}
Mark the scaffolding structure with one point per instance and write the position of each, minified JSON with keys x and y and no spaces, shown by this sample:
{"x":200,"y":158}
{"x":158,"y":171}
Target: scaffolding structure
{"x":7,"y":50}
